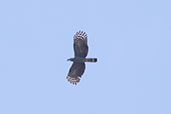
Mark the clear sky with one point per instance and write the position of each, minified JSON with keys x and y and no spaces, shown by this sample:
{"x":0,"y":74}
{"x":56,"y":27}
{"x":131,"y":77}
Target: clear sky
{"x":130,"y":38}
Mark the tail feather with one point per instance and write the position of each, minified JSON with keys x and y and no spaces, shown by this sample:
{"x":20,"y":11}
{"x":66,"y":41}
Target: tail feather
{"x":91,"y":60}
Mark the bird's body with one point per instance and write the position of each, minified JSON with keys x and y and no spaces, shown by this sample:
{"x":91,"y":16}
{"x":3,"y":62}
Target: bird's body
{"x":82,"y":60}
{"x":81,"y":51}
{"x":78,"y":59}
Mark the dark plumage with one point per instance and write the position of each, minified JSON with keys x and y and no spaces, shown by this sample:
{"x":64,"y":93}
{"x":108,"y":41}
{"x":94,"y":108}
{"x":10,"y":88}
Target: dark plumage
{"x":80,"y":50}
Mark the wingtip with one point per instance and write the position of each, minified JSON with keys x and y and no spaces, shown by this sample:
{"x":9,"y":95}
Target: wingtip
{"x":73,"y":80}
{"x":80,"y":34}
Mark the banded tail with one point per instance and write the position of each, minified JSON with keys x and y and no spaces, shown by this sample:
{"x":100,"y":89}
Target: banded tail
{"x":91,"y":60}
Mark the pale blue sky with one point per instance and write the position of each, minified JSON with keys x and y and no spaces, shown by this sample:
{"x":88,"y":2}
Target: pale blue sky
{"x":130,"y":38}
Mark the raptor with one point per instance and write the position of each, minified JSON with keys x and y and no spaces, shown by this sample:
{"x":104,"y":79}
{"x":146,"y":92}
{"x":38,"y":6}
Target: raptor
{"x":80,"y":52}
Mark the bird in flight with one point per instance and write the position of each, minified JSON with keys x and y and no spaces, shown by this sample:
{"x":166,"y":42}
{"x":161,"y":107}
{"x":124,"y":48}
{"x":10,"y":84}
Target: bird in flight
{"x":80,"y":51}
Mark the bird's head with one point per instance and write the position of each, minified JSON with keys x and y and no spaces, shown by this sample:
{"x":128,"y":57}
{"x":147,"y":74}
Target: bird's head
{"x":70,"y":59}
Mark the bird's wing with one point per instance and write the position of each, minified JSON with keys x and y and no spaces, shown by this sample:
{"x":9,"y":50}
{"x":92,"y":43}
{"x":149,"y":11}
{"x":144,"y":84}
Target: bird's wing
{"x":80,"y":44}
{"x":75,"y":72}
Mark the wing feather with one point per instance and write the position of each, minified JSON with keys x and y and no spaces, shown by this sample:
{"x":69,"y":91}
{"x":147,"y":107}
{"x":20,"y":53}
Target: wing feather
{"x":80,"y":44}
{"x":75,"y":72}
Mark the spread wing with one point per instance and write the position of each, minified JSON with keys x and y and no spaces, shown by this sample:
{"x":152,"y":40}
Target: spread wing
{"x":80,"y":44}
{"x":75,"y":72}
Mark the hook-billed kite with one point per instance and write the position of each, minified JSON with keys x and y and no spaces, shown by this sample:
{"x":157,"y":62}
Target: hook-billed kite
{"x":80,"y":50}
